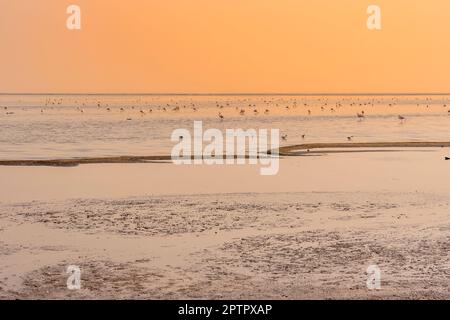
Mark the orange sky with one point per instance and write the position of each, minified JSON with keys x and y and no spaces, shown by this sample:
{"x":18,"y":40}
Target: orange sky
{"x":224,"y":46}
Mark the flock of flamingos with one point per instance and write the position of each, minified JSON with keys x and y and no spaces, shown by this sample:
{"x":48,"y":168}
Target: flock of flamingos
{"x":238,"y":106}
{"x":265,"y":106}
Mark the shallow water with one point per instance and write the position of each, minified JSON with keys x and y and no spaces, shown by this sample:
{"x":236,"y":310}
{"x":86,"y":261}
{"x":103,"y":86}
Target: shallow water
{"x":403,"y":171}
{"x":48,"y":127}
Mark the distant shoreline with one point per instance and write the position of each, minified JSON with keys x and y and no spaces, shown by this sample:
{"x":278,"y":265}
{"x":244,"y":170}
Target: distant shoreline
{"x":290,"y":150}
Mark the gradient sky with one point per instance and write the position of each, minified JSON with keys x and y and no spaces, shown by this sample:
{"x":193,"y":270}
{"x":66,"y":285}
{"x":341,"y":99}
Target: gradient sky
{"x":224,"y":46}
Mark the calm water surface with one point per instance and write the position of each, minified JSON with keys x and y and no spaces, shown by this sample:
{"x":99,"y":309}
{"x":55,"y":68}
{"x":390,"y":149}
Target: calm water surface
{"x":67,"y":126}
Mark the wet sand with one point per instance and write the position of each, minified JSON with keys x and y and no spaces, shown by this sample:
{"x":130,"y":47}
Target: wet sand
{"x":242,"y":246}
{"x":309,"y":232}
{"x":291,"y":150}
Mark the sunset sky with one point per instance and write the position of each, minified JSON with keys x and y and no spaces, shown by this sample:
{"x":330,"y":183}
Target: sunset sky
{"x":224,"y":46}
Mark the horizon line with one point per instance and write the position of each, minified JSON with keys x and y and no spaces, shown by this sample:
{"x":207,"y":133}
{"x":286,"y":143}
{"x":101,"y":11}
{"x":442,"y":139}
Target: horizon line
{"x":227,"y":94}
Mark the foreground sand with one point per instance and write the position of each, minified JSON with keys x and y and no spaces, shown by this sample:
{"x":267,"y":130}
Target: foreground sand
{"x":283,"y":242}
{"x":305,"y":245}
